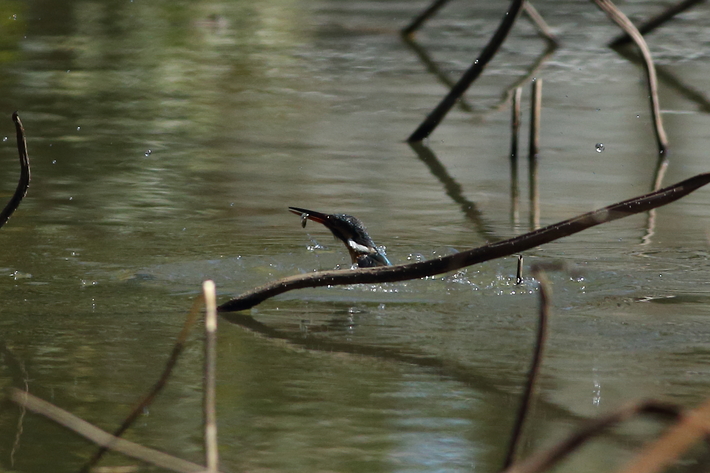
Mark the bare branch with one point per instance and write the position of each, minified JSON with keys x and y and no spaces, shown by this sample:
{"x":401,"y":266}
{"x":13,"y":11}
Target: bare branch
{"x":546,"y":459}
{"x":157,"y":387}
{"x":100,"y":437}
{"x":618,"y":17}
{"x":24,"y":182}
{"x":460,"y":260}
{"x":438,"y":114}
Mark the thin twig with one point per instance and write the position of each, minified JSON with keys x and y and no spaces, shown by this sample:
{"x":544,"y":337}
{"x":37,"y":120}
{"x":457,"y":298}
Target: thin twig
{"x":656,"y":21}
{"x":211,"y":452}
{"x":546,"y":459}
{"x":542,"y":27}
{"x":526,"y":401}
{"x":435,"y":117}
{"x":417,"y":22}
{"x":618,"y":17}
{"x":100,"y":437}
{"x":514,"y":136}
{"x":532,"y":71}
{"x":515,"y":125}
{"x":535,"y":112}
{"x":533,"y":151}
{"x":460,"y":260}
{"x":24,"y":182}
{"x":519,"y":271}
{"x":157,"y":387}
{"x":691,"y":428}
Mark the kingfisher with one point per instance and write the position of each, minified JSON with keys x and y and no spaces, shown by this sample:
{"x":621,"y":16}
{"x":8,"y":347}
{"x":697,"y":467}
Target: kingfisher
{"x":350,"y":230}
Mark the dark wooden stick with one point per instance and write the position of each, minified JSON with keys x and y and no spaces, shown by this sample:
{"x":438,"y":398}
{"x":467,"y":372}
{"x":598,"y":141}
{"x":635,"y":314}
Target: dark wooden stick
{"x":656,"y":21}
{"x":435,"y":117}
{"x":546,"y":459}
{"x":519,"y":271}
{"x":157,"y":387}
{"x":24,"y":182}
{"x":618,"y":17}
{"x":526,"y":401}
{"x":467,"y":258}
{"x":100,"y":437}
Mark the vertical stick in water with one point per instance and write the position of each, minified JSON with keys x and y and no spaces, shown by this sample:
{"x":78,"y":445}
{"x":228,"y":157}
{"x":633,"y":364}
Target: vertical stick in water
{"x":515,"y":134}
{"x":534,"y":148}
{"x":208,"y":288}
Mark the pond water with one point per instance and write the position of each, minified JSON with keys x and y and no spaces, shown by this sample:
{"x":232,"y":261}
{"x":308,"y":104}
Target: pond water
{"x":167,"y":140}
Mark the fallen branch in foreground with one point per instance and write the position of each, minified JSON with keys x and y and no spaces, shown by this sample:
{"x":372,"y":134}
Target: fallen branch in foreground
{"x":101,"y":437}
{"x":463,"y":259}
{"x":546,"y":459}
{"x":148,"y":399}
{"x":692,"y":427}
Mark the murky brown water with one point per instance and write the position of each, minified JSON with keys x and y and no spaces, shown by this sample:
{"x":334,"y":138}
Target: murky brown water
{"x":167,"y":140}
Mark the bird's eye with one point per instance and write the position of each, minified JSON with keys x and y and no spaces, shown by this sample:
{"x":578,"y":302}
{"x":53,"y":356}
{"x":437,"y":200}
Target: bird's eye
{"x":304,"y":219}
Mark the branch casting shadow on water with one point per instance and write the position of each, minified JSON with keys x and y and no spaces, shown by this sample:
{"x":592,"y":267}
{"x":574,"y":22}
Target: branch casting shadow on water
{"x":463,"y":259}
{"x":438,"y":114}
{"x":454,"y":190}
{"x":656,"y":21}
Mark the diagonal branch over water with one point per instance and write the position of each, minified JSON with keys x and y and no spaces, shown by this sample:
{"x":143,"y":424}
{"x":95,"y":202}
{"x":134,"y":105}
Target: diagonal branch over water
{"x":478,"y":255}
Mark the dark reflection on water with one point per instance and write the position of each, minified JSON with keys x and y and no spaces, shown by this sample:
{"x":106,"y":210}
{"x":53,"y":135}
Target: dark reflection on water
{"x":168,"y":140}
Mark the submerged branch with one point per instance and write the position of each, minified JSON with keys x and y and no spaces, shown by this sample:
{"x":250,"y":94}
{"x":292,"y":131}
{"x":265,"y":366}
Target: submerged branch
{"x":24,"y":182}
{"x":468,"y":258}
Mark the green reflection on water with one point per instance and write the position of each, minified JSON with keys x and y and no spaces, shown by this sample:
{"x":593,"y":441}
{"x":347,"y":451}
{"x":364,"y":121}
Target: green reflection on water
{"x":168,"y":140}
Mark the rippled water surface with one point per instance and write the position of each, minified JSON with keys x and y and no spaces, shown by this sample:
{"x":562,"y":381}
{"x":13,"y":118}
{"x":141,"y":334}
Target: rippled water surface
{"x":168,"y":139}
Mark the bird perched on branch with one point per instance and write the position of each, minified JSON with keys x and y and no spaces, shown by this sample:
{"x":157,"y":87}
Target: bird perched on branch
{"x":351,"y":232}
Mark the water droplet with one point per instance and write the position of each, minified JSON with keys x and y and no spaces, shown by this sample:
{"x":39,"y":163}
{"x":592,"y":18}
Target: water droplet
{"x":599,"y":147}
{"x":5,"y":139}
{"x":148,"y":153}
